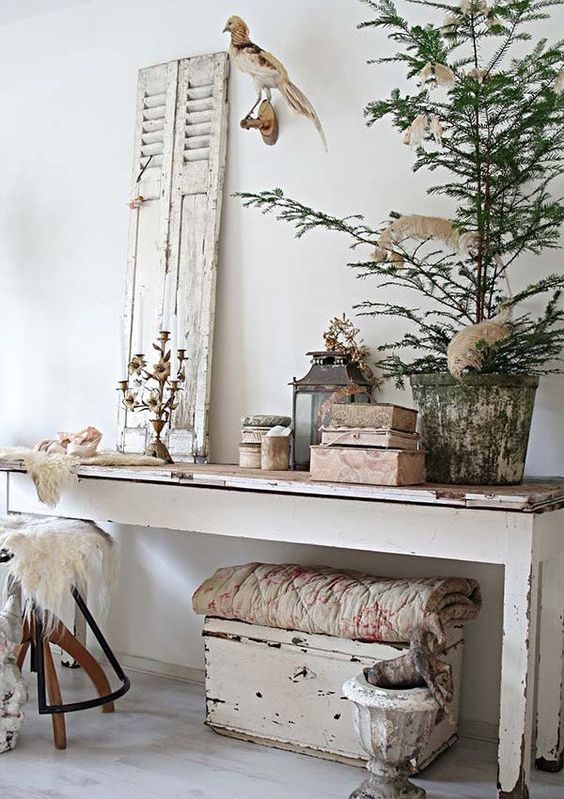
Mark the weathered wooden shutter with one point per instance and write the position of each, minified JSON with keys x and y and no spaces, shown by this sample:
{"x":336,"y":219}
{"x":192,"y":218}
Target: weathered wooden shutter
{"x":182,"y":127}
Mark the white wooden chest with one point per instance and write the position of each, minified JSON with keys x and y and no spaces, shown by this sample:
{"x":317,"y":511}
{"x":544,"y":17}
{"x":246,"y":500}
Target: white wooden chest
{"x":283,"y":688}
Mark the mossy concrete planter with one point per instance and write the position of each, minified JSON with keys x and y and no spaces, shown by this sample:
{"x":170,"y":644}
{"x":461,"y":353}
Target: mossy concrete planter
{"x":475,"y":430}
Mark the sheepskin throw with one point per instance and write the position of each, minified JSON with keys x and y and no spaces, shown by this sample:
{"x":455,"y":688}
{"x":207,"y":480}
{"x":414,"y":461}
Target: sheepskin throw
{"x":52,"y":472}
{"x":330,"y":602}
{"x":50,"y":555}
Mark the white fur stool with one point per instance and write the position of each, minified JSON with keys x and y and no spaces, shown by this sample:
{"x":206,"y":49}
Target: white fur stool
{"x":55,"y":561}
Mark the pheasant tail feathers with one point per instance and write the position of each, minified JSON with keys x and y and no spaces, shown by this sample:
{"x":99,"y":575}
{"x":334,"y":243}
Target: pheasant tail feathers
{"x":299,"y":102}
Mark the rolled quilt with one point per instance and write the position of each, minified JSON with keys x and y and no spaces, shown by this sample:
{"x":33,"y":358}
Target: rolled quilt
{"x":331,"y":602}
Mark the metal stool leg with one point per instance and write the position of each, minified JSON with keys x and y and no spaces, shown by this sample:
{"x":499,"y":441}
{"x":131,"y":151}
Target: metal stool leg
{"x":75,"y":652}
{"x":72,"y":707}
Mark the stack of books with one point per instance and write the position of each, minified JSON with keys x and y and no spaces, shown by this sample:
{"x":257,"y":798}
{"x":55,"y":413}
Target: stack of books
{"x":253,"y":430}
{"x":372,"y":443}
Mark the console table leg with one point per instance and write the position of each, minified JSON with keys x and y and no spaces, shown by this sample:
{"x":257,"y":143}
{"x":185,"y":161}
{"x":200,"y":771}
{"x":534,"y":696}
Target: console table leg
{"x":518,"y":667}
{"x":550,"y":722}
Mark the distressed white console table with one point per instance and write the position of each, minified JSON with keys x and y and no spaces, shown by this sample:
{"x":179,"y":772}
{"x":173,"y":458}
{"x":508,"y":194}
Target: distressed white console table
{"x":521,"y":528}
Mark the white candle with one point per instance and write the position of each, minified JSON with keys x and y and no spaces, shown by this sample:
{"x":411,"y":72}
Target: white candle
{"x":167,"y":302}
{"x":173,"y":348}
{"x":139,"y":324}
{"x":180,"y":338}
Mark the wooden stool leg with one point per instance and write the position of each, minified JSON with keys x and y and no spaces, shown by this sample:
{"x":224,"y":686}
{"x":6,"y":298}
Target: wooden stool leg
{"x":62,"y":637}
{"x":24,"y":646}
{"x":55,"y":698}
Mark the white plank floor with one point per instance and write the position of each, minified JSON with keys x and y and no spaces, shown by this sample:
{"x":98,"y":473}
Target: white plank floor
{"x":156,"y":747}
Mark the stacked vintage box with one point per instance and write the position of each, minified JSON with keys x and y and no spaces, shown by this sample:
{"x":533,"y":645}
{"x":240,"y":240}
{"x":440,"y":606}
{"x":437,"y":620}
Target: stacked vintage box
{"x":253,"y":429}
{"x":369,"y":443}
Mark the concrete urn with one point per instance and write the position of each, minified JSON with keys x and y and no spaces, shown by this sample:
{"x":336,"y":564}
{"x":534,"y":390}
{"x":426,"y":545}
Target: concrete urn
{"x":392,"y":725}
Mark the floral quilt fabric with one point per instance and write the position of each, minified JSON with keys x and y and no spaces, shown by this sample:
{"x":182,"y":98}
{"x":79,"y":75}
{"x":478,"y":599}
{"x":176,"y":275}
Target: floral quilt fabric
{"x":332,"y":602}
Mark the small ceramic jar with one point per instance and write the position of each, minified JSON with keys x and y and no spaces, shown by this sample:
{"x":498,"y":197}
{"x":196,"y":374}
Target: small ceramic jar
{"x":249,"y":456}
{"x":275,"y":453}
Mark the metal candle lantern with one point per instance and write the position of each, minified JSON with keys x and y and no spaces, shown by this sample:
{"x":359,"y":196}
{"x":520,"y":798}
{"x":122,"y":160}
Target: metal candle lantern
{"x":332,"y":377}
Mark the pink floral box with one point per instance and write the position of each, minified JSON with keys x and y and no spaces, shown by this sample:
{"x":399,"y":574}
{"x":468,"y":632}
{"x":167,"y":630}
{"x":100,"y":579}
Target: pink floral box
{"x":388,"y":467}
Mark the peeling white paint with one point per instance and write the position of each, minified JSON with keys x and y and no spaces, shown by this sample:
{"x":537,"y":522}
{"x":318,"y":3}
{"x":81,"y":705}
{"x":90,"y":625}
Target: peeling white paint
{"x":286,"y":688}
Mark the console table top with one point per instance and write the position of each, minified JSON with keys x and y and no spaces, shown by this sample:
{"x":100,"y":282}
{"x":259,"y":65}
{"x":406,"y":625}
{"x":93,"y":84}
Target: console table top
{"x":535,"y":495}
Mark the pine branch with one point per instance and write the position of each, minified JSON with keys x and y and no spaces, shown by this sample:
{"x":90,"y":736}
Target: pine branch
{"x":304,"y":218}
{"x":542,"y":286}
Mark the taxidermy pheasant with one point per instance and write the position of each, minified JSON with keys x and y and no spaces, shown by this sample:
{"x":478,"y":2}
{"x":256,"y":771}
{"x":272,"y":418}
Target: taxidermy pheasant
{"x":267,"y":72}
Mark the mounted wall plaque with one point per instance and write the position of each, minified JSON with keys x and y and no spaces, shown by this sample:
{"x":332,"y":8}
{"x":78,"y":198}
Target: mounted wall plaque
{"x":178,"y":170}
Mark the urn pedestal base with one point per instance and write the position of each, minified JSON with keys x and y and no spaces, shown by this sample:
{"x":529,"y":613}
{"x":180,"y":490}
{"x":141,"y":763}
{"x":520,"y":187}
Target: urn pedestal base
{"x":392,"y":725}
{"x":387,"y":788}
{"x":158,"y":449}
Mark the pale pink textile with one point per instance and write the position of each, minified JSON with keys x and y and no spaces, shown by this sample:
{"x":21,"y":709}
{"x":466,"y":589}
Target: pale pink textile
{"x":331,"y":602}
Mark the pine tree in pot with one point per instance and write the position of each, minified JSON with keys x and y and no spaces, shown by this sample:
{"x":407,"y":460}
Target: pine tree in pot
{"x":492,"y":123}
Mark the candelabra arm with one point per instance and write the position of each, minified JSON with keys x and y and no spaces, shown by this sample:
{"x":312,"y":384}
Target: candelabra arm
{"x":155,"y":391}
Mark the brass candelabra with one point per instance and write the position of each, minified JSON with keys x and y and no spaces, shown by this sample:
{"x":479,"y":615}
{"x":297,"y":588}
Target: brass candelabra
{"x":155,"y":390}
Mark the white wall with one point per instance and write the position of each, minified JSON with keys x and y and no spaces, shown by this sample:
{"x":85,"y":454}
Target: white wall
{"x":67,"y":97}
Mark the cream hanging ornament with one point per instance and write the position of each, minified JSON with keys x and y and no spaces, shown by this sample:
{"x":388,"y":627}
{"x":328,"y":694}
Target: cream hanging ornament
{"x":422,"y":228}
{"x":464,"y":351}
{"x":437,"y":73}
{"x":444,"y":76}
{"x":426,"y":73}
{"x":396,"y":259}
{"x":478,"y":74}
{"x":415,"y":133}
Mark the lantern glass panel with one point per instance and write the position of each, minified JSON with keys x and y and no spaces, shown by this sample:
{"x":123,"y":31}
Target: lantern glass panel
{"x":306,"y":424}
